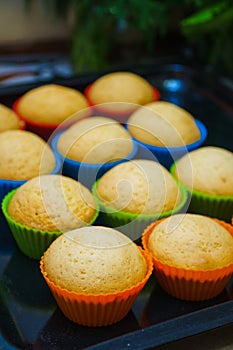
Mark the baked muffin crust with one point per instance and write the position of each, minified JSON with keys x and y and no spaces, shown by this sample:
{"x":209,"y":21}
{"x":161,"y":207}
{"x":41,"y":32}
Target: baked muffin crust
{"x":208,"y":169}
{"x":52,"y":203}
{"x":24,"y":155}
{"x":191,"y":241}
{"x":95,"y":140}
{"x":139,"y":186}
{"x":51,"y":104}
{"x":163,"y":124}
{"x":94,"y":260}
{"x":8,"y":119}
{"x":125,"y":87}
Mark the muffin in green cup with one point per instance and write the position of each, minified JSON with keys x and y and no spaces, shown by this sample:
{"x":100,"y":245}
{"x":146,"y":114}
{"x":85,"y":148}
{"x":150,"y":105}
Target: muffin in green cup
{"x":45,"y":207}
{"x":133,"y":194}
{"x":206,"y":174}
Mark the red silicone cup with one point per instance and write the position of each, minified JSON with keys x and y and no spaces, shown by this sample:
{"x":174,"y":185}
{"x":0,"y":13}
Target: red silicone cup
{"x":46,"y":130}
{"x":43,"y":130}
{"x":104,"y":108}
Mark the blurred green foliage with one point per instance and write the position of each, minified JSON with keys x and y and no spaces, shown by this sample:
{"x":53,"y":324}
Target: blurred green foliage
{"x":205,"y":25}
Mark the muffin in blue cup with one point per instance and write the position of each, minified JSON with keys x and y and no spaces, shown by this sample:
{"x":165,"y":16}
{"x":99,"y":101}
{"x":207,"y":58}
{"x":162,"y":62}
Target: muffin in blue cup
{"x":91,"y":146}
{"x":166,"y":130}
{"x":24,"y":155}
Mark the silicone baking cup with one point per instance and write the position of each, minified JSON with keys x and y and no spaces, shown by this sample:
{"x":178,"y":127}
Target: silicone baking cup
{"x":44,"y":130}
{"x":8,"y":185}
{"x":86,"y":173}
{"x":22,"y":124}
{"x":220,"y":207}
{"x":134,"y":224}
{"x":185,"y":284}
{"x":168,"y":155}
{"x":30,"y":241}
{"x":106,"y":110}
{"x":97,"y":310}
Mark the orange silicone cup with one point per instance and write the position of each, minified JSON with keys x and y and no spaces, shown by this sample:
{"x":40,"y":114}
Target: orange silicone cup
{"x":185,"y":284}
{"x":97,"y":310}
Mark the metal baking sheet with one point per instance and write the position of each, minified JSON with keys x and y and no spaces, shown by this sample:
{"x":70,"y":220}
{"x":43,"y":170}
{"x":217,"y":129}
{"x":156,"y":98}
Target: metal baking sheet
{"x":29,"y":317}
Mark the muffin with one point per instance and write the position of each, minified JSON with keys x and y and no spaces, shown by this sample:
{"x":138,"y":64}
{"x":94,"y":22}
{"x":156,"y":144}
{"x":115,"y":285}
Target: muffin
{"x":95,"y":274}
{"x":207,"y":175}
{"x":24,"y":155}
{"x":167,"y":130}
{"x":120,"y":93}
{"x":45,"y":107}
{"x":91,"y":146}
{"x":192,"y":255}
{"x":135,"y":193}
{"x":44,"y":207}
{"x":9,"y":119}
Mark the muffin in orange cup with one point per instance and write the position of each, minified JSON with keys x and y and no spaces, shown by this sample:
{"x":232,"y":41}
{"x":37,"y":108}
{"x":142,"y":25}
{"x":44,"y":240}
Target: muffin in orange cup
{"x":192,"y":255}
{"x":95,"y":274}
{"x":45,"y":107}
{"x":120,"y":93}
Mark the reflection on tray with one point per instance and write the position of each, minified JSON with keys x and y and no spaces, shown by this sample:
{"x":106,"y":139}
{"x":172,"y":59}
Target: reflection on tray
{"x":169,"y":307}
{"x":60,"y":333}
{"x":25,"y":297}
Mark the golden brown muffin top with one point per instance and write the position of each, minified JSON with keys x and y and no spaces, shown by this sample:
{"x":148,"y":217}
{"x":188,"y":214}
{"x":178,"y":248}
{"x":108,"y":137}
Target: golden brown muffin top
{"x":139,"y":186}
{"x":24,"y":155}
{"x":52,"y":203}
{"x":8,"y":119}
{"x":94,"y":260}
{"x":51,"y":104}
{"x":208,"y":169}
{"x":162,"y":124}
{"x":191,"y":241}
{"x":95,"y":140}
{"x":124,"y":87}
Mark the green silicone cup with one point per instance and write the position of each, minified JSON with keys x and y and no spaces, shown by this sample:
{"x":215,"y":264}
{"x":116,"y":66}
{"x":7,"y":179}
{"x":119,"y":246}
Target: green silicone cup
{"x":219,"y":207}
{"x":133,"y":225}
{"x":30,"y":241}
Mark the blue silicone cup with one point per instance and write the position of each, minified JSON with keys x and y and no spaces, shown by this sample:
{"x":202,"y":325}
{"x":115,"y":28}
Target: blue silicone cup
{"x":87,"y":173}
{"x":8,"y":185}
{"x":168,"y":155}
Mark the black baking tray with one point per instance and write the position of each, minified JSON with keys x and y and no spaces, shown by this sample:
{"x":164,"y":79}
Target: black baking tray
{"x":29,"y":317}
